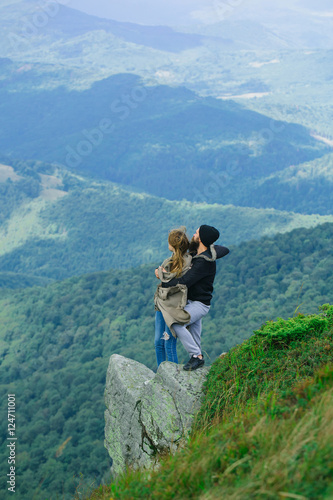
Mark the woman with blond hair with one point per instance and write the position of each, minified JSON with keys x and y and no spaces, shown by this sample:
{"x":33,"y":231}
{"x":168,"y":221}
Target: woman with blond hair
{"x":170,"y":303}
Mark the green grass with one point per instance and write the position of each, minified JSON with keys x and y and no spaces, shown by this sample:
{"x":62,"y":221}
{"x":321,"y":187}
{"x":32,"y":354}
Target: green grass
{"x":265,"y":427}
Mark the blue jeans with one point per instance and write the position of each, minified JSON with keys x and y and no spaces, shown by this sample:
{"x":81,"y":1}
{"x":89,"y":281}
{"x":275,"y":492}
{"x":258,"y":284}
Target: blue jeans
{"x":165,"y":349}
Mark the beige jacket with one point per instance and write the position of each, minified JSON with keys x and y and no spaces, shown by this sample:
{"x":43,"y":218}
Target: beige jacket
{"x":171,"y":301}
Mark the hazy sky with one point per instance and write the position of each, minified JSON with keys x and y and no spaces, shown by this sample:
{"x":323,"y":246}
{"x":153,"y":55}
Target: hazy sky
{"x":178,"y":12}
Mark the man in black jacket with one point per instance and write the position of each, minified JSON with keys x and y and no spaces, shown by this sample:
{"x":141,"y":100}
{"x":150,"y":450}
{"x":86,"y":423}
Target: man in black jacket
{"x":199,"y":281}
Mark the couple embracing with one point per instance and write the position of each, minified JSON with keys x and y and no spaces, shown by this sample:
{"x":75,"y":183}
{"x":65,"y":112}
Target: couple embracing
{"x":184,"y":295}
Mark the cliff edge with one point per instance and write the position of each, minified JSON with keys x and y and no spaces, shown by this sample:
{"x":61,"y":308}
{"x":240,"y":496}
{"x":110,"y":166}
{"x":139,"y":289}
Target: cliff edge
{"x":148,"y":414}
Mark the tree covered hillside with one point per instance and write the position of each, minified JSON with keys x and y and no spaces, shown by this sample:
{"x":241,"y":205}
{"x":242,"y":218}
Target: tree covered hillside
{"x":56,"y":341}
{"x":56,"y":224}
{"x":65,"y":24}
{"x":181,"y":145}
{"x":306,"y":188}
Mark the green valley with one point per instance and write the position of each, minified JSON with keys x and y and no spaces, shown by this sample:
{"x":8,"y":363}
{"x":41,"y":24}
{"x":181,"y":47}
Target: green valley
{"x":179,"y":140}
{"x":57,"y":224}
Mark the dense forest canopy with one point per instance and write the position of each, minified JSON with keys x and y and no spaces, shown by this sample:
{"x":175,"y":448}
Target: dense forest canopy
{"x":56,"y":224}
{"x":182,"y":146}
{"x":56,"y":342}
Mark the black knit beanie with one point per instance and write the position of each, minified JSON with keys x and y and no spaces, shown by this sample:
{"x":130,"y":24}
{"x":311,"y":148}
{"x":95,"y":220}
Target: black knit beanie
{"x":208,"y":235}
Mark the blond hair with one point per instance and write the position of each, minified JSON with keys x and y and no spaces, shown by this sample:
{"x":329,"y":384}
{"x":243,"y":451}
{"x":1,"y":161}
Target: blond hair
{"x":179,"y":241}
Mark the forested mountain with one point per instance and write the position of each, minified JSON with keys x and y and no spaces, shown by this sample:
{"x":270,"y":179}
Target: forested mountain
{"x":182,"y":145}
{"x":113,"y":133}
{"x":53,"y":55}
{"x":56,"y":224}
{"x":278,"y":64}
{"x":271,"y":26}
{"x":62,"y":22}
{"x":305,"y":188}
{"x":55,"y":38}
{"x":56,"y":342}
{"x":15,"y":280}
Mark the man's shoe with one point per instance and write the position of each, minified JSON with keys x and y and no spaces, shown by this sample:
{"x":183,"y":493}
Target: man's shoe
{"x":193,"y":364}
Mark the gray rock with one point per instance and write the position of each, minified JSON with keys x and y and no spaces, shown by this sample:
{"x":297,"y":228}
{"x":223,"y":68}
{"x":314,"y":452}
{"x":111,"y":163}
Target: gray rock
{"x":148,"y":414}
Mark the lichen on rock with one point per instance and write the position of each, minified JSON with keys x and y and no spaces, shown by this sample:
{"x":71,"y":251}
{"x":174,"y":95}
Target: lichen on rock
{"x":148,"y":414}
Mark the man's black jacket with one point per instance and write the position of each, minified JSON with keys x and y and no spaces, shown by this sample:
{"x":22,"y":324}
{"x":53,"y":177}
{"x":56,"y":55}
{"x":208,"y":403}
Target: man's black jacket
{"x":200,"y":277}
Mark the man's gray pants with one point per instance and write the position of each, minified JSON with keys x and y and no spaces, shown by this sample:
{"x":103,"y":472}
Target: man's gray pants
{"x":191,"y":338}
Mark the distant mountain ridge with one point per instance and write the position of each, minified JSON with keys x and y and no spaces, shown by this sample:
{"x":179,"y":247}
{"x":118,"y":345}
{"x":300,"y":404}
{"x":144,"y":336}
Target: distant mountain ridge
{"x":275,"y":29}
{"x":230,"y":58}
{"x":201,"y":149}
{"x":57,"y":20}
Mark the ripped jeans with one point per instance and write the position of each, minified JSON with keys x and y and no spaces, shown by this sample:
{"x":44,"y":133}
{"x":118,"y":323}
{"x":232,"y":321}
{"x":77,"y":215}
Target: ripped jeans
{"x":165,"y":342}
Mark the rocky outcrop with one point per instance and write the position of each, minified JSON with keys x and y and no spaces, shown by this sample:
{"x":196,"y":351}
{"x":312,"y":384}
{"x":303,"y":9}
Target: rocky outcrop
{"x":148,"y":414}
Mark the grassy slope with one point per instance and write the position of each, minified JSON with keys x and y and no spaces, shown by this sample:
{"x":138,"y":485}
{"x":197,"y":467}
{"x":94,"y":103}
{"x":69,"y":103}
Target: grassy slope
{"x":265,"y":426}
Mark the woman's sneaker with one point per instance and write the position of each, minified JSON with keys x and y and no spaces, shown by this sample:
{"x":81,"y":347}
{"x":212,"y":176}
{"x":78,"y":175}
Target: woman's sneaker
{"x":194,"y":364}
